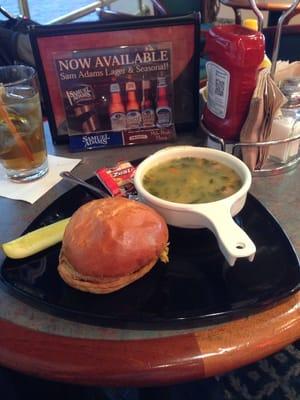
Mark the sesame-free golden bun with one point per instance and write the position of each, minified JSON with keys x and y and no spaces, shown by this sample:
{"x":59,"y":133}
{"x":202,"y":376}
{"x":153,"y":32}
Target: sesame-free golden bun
{"x":110,"y":243}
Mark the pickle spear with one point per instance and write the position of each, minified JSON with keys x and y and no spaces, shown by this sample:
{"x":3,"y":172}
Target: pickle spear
{"x":35,"y":241}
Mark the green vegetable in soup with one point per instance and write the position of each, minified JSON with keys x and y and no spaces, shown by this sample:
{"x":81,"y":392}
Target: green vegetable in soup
{"x":192,"y":180}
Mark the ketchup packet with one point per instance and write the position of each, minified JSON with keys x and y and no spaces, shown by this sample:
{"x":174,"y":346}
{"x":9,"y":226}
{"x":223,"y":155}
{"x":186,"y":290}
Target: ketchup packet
{"x":118,"y":180}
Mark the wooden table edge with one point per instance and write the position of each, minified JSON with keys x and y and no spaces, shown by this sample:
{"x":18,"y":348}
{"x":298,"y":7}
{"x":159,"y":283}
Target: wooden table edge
{"x":145,"y":362}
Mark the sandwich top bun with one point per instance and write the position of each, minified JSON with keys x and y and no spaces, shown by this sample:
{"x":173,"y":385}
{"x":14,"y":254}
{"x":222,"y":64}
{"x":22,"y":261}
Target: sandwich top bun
{"x":111,"y":242}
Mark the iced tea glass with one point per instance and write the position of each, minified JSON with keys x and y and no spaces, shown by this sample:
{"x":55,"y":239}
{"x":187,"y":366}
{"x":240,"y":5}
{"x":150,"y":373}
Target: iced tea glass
{"x":23,"y":152}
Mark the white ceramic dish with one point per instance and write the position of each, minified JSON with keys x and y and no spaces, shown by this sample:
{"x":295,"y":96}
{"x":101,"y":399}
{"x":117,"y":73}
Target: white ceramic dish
{"x":216,"y":216}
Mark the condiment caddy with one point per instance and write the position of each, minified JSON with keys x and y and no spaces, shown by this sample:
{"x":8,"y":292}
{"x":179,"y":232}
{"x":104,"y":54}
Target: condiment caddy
{"x":270,"y":133}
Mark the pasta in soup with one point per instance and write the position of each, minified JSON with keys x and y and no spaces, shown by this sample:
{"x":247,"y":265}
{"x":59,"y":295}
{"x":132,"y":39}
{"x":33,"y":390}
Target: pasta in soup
{"x":191,"y":180}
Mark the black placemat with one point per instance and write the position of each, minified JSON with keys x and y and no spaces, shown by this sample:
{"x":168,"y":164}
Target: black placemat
{"x":197,"y":287}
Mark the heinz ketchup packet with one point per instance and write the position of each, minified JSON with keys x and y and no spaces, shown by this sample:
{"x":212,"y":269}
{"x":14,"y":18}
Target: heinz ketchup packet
{"x":118,"y":180}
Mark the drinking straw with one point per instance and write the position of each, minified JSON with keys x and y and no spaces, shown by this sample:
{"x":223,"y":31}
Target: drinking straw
{"x":13,"y":130}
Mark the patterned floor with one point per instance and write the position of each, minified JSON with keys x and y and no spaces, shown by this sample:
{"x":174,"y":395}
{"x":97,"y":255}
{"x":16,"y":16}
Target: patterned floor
{"x":273,"y":378}
{"x":276,"y":377}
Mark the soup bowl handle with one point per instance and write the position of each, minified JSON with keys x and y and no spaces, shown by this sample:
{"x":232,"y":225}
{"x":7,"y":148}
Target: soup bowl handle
{"x":233,"y":241}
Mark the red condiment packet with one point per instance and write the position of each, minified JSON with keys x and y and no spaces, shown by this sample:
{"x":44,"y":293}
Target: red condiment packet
{"x":118,"y":180}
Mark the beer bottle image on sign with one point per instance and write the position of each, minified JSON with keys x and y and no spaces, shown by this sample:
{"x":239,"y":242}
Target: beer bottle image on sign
{"x":133,"y":116}
{"x":148,"y":114}
{"x":163,"y":109}
{"x":116,"y":109}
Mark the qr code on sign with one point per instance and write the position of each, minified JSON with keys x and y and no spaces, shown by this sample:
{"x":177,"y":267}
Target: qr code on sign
{"x":219,"y":88}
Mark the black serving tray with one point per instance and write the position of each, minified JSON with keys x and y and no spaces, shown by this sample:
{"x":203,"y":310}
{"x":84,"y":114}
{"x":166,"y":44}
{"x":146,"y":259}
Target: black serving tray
{"x":197,"y":287}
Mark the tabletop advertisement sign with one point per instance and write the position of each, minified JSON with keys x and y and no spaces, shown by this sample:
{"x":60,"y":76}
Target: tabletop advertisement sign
{"x":117,"y":96}
{"x":121,"y":83}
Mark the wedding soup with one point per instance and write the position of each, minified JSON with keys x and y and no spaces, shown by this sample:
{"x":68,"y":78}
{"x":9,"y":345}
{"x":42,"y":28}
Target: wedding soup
{"x":191,"y":180}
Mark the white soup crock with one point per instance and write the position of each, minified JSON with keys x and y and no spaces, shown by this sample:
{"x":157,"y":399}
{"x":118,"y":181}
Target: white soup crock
{"x":217,"y":216}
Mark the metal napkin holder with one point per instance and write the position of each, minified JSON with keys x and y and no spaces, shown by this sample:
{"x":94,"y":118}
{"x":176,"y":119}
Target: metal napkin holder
{"x":235,"y":148}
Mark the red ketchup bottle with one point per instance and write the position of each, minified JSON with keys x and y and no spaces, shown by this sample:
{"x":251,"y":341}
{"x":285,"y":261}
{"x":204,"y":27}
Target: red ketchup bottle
{"x":234,"y":53}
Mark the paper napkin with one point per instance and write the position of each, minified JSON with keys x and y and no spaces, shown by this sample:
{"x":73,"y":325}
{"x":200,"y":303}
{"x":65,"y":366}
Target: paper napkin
{"x":32,"y":191}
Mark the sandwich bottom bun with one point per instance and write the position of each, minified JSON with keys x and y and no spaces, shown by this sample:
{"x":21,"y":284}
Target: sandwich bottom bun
{"x":110,"y":243}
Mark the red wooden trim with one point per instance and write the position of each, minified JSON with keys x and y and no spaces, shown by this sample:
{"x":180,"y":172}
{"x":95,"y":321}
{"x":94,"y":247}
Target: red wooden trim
{"x":174,"y":359}
{"x":97,"y":362}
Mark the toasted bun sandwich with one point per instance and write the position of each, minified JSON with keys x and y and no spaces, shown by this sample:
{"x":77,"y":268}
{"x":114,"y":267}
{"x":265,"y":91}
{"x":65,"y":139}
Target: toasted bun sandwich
{"x":110,"y":243}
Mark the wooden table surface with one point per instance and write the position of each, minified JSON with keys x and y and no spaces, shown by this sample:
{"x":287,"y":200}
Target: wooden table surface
{"x":271,"y":5}
{"x":274,"y":7}
{"x":43,"y":345}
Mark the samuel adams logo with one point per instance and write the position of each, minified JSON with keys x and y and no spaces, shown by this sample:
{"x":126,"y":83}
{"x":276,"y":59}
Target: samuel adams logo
{"x":81,"y":93}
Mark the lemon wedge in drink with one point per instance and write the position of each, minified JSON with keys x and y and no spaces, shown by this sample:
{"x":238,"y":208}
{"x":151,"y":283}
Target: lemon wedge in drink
{"x":35,"y":241}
